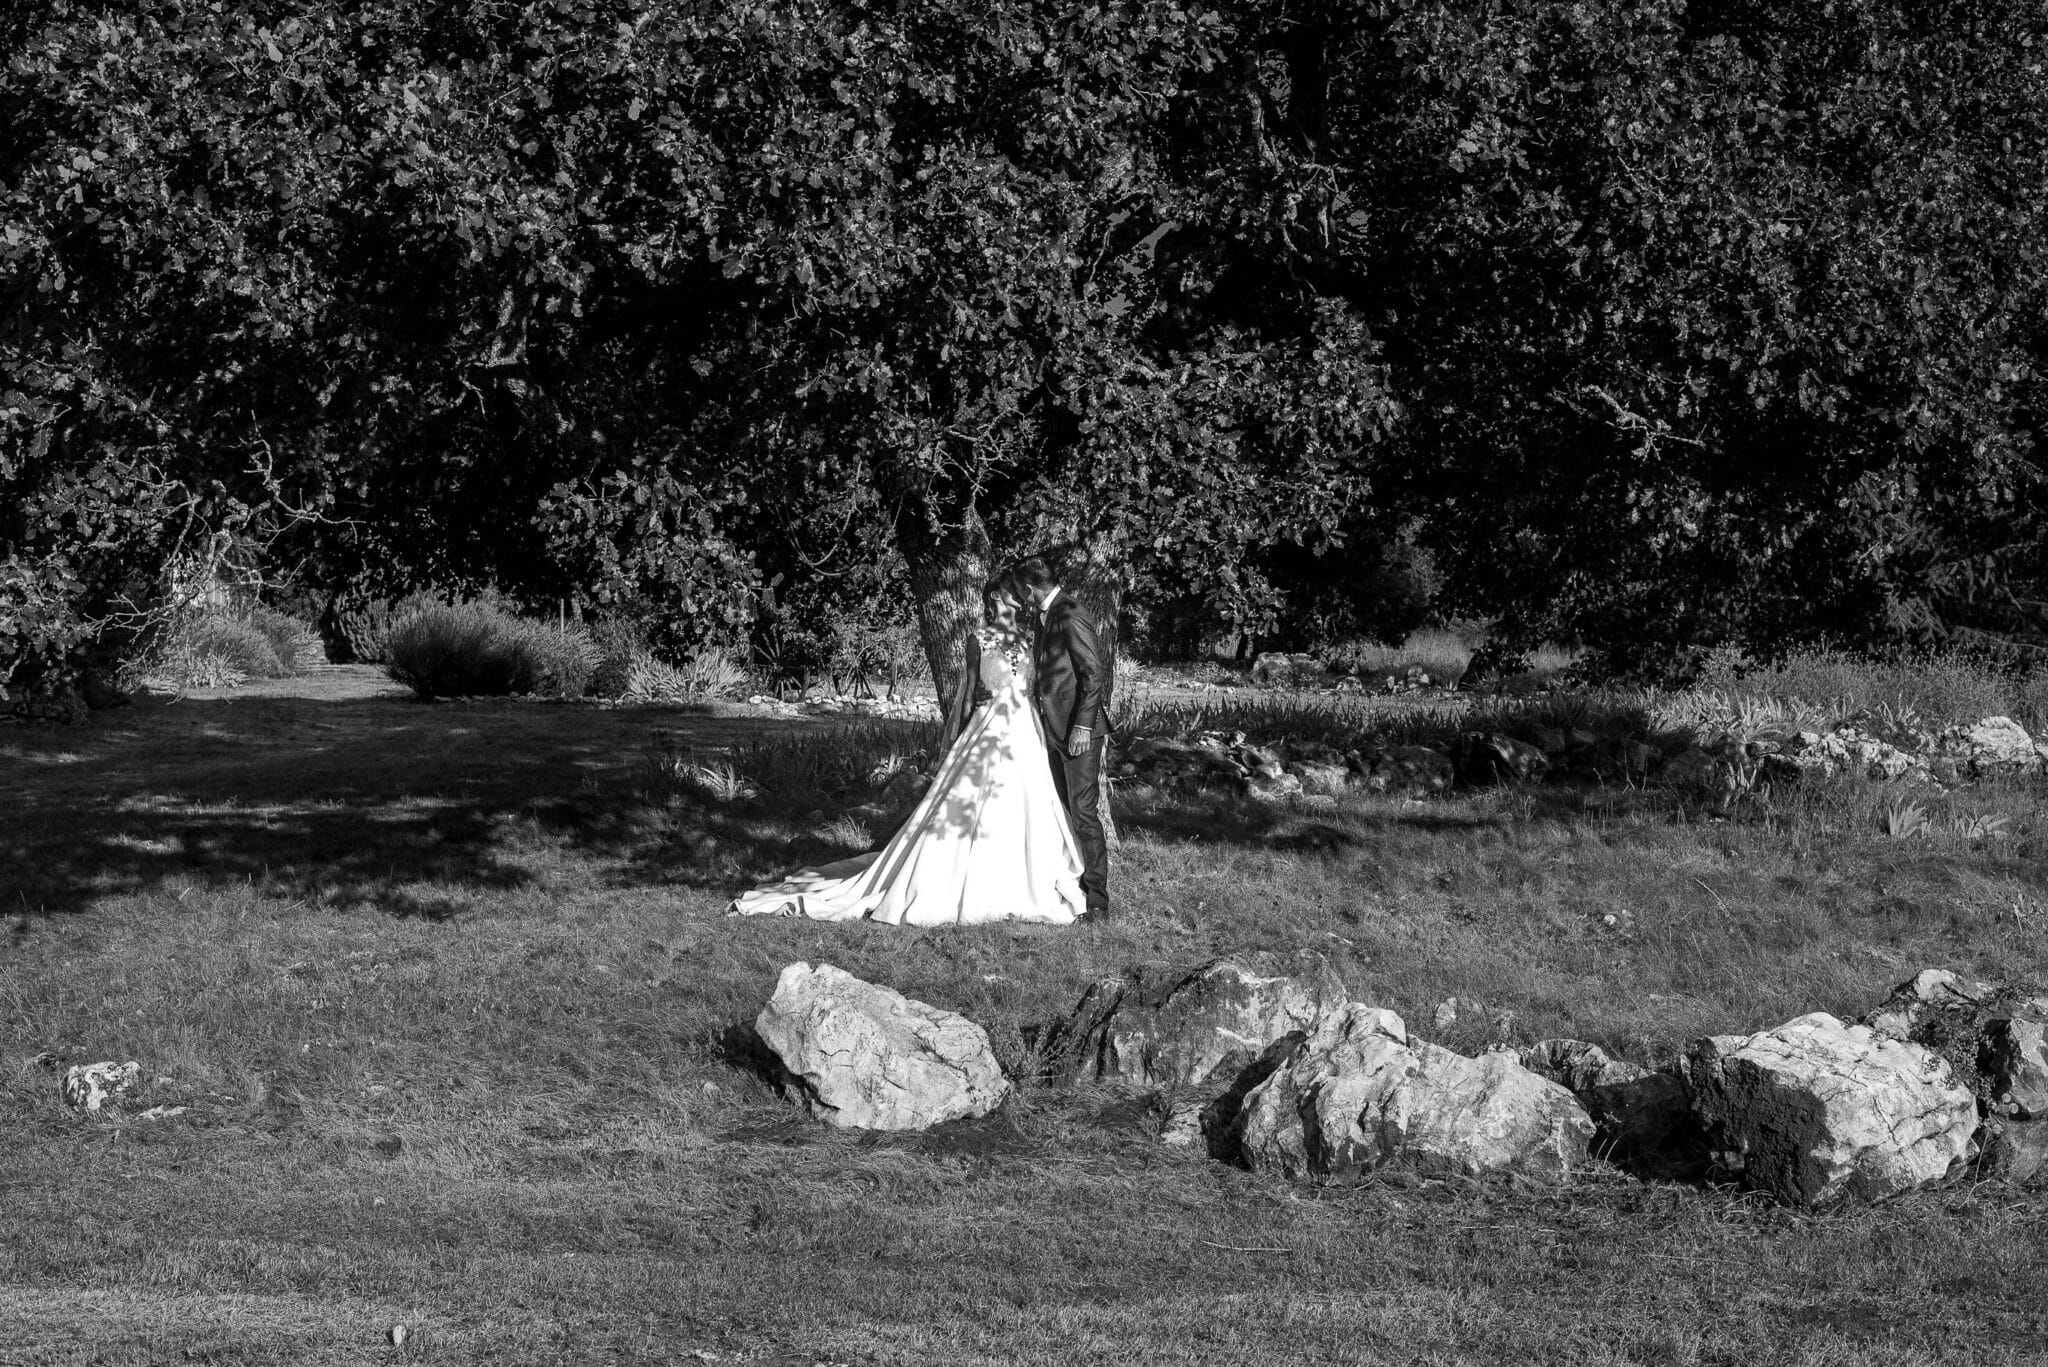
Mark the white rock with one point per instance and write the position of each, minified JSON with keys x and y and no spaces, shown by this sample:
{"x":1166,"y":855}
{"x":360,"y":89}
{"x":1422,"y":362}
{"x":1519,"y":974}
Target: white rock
{"x":1360,"y":1096}
{"x":161,"y":1113}
{"x":90,"y":1085}
{"x":1995,"y":743}
{"x":1815,"y":1110}
{"x":866,"y":1057}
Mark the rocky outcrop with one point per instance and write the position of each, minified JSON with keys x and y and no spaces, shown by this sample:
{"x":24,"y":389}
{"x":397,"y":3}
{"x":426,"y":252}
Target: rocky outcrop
{"x":1358,"y":1095}
{"x":1199,"y":1028}
{"x":865,"y":1057}
{"x":1411,"y":771}
{"x":1914,"y":1007}
{"x":1481,"y":758}
{"x":1995,"y":745}
{"x":1815,"y":1111}
{"x":1276,"y":670}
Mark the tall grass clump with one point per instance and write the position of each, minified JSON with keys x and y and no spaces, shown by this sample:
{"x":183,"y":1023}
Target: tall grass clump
{"x":480,"y":650}
{"x":295,"y":643}
{"x":629,"y":670}
{"x":1439,"y":652}
{"x":220,"y":648}
{"x":797,"y":771}
{"x":1941,"y":689}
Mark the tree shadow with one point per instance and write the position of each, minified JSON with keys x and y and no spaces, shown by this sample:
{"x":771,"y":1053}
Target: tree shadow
{"x":383,"y":803}
{"x":1210,"y":818}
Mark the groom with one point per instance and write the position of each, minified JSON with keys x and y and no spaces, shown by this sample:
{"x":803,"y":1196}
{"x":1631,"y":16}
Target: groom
{"x":1073,"y":699}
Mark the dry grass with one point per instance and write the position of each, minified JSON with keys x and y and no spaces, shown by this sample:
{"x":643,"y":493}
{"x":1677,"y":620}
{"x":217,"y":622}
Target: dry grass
{"x":449,"y":1000}
{"x":1940,"y":689}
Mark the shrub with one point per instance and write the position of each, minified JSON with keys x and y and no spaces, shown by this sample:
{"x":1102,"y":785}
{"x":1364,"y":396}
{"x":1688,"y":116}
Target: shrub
{"x":479,"y":650}
{"x":357,"y":627}
{"x":620,"y":647}
{"x":235,"y":641}
{"x":295,"y":643}
{"x":2032,"y":699}
{"x":627,"y":668}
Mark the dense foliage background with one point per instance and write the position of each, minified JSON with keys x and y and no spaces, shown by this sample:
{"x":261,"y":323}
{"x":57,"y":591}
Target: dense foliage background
{"x":1647,"y":325}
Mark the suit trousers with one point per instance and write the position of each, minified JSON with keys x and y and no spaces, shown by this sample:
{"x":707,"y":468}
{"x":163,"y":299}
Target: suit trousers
{"x":1079,"y":780}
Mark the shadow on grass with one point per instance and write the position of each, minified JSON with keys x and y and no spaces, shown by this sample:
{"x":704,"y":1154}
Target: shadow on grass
{"x":1217,"y":818}
{"x":382,"y":802}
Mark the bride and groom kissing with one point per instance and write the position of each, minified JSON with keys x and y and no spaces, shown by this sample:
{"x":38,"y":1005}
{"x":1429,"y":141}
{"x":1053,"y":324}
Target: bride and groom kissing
{"x":1011,"y":827}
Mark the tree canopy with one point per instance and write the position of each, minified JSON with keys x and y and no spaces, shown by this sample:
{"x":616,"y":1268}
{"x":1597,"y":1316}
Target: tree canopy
{"x":1655,"y":325}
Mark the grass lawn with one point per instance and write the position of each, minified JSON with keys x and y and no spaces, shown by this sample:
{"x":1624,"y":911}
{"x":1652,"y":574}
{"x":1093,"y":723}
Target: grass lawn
{"x":458,"y":1027}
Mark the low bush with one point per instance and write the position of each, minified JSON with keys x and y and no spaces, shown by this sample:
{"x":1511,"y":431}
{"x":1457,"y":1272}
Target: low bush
{"x":235,"y":642}
{"x":628,"y":669}
{"x":480,"y":650}
{"x":295,"y":642}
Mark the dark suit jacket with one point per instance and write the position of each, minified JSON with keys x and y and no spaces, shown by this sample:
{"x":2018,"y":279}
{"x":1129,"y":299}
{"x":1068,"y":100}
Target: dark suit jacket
{"x":1073,"y":675}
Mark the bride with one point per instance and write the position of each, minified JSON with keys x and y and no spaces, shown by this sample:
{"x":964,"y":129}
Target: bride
{"x":990,"y":840}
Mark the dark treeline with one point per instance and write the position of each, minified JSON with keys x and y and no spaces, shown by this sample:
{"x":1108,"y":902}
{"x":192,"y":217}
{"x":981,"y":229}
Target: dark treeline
{"x":1648,"y":325}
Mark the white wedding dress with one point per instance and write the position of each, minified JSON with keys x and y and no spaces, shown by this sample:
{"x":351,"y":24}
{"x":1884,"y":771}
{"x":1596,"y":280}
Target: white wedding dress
{"x":988,"y":842}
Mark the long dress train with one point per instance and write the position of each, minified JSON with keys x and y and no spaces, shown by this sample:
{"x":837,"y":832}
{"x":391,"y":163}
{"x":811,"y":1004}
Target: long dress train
{"x":988,"y":842}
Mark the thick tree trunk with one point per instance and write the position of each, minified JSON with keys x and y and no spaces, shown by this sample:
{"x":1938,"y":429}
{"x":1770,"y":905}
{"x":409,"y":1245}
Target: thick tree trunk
{"x":949,"y":561}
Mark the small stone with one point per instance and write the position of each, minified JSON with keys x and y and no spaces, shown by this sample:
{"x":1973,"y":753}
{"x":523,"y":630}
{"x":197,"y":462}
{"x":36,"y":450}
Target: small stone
{"x":161,"y":1113}
{"x":1183,"y":1126}
{"x":89,"y":1086}
{"x":1446,"y":1013}
{"x":398,"y":1335}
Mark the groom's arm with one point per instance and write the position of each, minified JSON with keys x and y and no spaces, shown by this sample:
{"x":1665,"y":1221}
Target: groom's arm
{"x":1091,"y":682}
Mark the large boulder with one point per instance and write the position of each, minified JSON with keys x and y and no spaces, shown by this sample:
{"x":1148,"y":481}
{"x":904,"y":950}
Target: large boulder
{"x":865,"y":1057}
{"x":1815,"y":1111}
{"x":1197,"y":1028}
{"x":1635,"y":1111}
{"x":1357,"y":1096}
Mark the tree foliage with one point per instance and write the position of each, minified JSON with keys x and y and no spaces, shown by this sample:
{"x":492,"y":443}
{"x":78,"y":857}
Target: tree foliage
{"x":1654,"y":325}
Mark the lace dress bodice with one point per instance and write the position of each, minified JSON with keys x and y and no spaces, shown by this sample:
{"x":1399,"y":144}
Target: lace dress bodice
{"x":1004,"y":661}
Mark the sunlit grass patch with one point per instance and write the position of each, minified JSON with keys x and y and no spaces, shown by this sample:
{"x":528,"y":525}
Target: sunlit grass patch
{"x":531,"y":1127}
